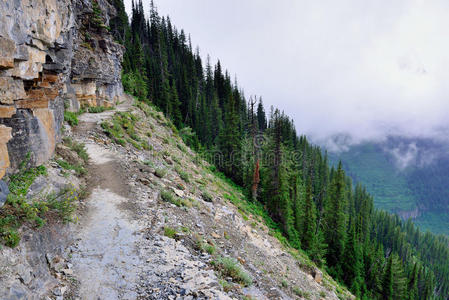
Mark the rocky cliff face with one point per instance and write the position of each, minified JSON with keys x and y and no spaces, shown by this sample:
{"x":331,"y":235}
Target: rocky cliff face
{"x":54,"y":54}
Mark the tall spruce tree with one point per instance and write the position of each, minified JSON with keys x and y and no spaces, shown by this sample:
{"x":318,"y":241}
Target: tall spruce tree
{"x":352,"y":265}
{"x":308,"y":226}
{"x":334,"y":223}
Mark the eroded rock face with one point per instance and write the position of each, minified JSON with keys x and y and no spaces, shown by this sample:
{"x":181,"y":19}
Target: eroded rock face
{"x":51,"y":56}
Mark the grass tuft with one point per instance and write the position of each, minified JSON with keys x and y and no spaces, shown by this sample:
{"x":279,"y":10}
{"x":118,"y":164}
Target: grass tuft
{"x":160,"y":172}
{"x":169,"y":232}
{"x":98,"y":109}
{"x":229,"y":267}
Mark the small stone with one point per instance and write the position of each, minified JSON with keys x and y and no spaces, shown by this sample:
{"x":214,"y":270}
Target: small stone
{"x":241,"y":260}
{"x":57,"y":291}
{"x":67,"y":272}
{"x":144,"y":181}
{"x":215,"y":235}
{"x":178,"y":193}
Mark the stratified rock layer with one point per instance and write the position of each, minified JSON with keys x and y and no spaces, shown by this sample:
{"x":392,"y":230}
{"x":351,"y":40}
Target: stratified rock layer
{"x":51,"y":55}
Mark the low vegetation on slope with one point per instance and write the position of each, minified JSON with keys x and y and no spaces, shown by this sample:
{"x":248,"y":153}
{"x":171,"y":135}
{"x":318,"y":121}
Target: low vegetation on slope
{"x":48,"y":205}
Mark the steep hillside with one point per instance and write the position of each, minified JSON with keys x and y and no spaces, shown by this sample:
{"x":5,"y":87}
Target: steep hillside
{"x":195,"y":233}
{"x":159,"y":223}
{"x":405,"y":176}
{"x":316,"y":207}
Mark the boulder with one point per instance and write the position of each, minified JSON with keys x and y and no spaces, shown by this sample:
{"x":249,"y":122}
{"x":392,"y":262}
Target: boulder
{"x":178,"y":193}
{"x":317,"y":275}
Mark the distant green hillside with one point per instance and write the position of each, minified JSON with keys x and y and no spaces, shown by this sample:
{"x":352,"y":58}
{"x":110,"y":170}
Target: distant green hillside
{"x":369,"y":164}
{"x":420,"y":188}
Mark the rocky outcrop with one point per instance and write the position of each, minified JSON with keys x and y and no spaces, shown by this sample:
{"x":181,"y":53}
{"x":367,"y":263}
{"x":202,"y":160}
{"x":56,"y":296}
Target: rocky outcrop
{"x":53,"y":54}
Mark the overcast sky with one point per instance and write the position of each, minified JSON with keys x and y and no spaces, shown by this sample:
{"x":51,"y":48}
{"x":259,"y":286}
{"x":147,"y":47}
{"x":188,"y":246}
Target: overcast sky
{"x":366,"y":68}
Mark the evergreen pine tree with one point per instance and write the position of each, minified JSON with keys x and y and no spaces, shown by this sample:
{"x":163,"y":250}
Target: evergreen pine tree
{"x":387,"y":280}
{"x":352,"y":262}
{"x":308,"y":228}
{"x":412,"y":286}
{"x":261,"y":116}
{"x":334,"y":223}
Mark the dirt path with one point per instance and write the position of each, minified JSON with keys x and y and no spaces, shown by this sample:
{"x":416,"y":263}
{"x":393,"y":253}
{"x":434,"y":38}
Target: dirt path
{"x":106,"y":259}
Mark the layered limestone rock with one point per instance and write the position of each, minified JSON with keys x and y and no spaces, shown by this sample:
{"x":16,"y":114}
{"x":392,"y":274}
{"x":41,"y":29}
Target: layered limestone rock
{"x":53,"y":53}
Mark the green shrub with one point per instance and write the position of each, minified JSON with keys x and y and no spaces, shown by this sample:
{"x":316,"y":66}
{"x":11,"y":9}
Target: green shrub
{"x":71,"y":118}
{"x":225,"y":285}
{"x":184,"y":175}
{"x":167,"y":196}
{"x":64,"y":203}
{"x":160,"y":172}
{"x":284,"y":283}
{"x":207,"y":197}
{"x":79,"y":170}
{"x":144,"y":107}
{"x":185,"y":229}
{"x":298,"y":292}
{"x":149,"y":163}
{"x":169,"y":232}
{"x":181,"y":147}
{"x":11,"y":238}
{"x":229,"y":267}
{"x":98,"y":109}
{"x":210,"y":249}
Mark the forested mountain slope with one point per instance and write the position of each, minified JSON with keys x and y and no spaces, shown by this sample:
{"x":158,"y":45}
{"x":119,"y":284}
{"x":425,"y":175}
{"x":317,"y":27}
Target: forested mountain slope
{"x":407,"y":176}
{"x":315,"y":206}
